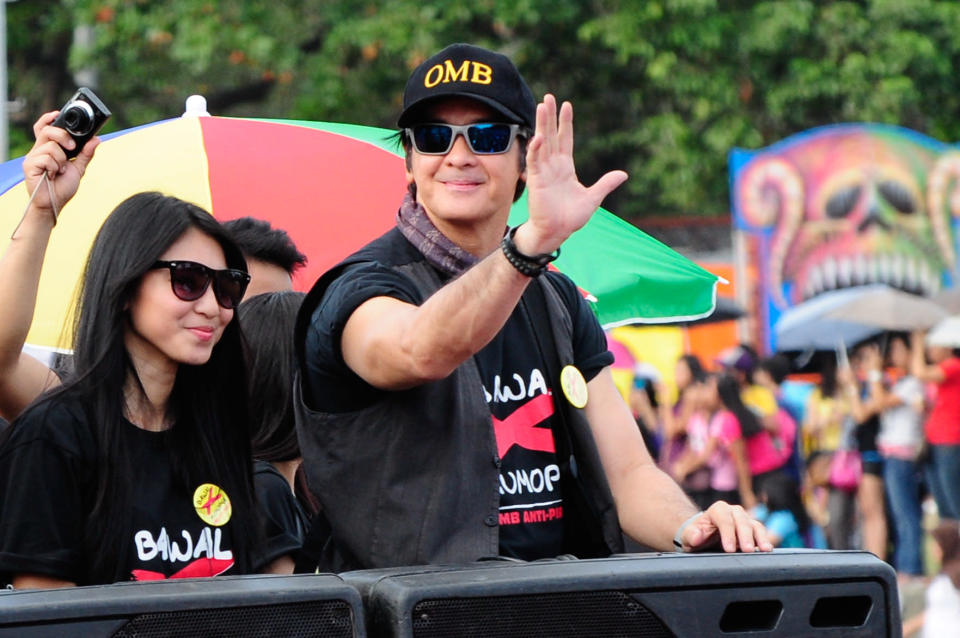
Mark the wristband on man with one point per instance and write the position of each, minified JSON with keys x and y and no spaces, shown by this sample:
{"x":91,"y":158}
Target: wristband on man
{"x":678,"y":537}
{"x":528,"y":265}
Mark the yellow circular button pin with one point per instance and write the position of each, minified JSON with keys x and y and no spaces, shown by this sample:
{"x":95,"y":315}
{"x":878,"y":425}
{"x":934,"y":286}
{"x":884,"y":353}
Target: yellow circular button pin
{"x":212,"y":504}
{"x":574,"y":386}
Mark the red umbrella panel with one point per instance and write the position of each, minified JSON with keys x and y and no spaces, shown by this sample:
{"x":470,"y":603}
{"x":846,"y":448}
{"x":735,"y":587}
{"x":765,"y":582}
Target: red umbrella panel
{"x":330,"y":192}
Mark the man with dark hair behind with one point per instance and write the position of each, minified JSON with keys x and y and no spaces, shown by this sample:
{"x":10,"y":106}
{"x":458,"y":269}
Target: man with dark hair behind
{"x":272,"y":257}
{"x":456,"y":398}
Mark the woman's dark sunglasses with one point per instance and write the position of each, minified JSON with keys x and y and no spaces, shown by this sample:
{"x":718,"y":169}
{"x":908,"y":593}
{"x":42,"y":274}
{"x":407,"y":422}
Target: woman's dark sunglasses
{"x":190,"y":280}
{"x":483,"y":138}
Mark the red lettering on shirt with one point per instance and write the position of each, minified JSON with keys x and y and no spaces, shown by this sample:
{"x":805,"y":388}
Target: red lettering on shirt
{"x":509,"y":518}
{"x":543,"y":515}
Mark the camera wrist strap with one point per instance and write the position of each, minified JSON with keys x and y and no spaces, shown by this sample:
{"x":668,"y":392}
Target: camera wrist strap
{"x":53,"y":203}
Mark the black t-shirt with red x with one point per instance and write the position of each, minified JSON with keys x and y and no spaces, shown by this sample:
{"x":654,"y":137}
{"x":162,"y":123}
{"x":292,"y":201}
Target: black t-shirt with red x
{"x":523,"y":407}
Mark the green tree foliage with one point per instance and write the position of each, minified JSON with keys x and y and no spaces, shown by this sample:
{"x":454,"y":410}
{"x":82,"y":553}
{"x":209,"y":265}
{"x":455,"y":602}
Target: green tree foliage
{"x":662,"y":88}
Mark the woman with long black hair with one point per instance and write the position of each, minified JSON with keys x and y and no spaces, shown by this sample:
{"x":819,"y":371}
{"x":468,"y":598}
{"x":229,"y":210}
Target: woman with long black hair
{"x":756,"y":452}
{"x":138,"y":466}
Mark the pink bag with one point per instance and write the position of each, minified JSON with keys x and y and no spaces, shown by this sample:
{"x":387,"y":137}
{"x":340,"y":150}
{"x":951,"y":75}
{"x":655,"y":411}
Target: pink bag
{"x":846,"y":469}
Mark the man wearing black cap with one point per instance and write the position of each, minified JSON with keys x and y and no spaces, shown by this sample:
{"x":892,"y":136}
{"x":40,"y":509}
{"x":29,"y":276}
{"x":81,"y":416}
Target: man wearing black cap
{"x":455,"y":399}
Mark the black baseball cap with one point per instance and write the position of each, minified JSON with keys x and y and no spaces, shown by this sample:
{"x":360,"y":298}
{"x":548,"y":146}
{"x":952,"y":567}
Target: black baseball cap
{"x":469,"y":71}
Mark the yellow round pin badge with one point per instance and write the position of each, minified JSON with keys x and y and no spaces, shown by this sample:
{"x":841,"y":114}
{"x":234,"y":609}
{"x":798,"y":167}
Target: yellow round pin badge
{"x":574,"y":386}
{"x":212,"y":504}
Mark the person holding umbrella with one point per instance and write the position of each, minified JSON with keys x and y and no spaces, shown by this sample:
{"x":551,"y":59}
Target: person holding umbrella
{"x":942,"y":426}
{"x":285,"y":500}
{"x":455,"y":385}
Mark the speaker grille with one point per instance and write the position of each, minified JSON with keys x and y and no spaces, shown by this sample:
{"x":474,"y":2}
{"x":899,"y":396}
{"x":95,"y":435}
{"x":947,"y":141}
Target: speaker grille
{"x":604,"y":614}
{"x":324,"y":619}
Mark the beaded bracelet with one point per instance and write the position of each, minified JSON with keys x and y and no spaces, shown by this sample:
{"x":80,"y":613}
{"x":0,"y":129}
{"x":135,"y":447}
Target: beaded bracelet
{"x":529,"y":265}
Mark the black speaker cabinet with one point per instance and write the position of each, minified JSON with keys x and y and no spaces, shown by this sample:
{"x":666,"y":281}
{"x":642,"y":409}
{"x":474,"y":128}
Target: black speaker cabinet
{"x":242,"y":606}
{"x":784,"y":593}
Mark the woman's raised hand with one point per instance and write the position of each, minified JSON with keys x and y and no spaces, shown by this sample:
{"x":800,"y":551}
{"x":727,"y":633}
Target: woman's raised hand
{"x":48,"y":157}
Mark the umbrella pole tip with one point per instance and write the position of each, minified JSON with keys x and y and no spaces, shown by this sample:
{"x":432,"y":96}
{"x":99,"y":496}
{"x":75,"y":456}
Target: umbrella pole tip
{"x":196,"y":106}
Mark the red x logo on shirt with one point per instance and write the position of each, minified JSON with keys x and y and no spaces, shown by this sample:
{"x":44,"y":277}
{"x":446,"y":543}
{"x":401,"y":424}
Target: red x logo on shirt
{"x":519,"y":428}
{"x":200,"y":568}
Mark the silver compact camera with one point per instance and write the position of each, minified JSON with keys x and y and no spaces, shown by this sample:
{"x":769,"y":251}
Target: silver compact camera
{"x":82,"y":117}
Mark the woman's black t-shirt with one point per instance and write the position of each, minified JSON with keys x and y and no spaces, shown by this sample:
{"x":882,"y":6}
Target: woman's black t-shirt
{"x":48,"y":484}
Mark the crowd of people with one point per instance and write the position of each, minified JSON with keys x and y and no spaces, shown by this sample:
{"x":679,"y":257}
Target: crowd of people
{"x":727,"y":436}
{"x":440,"y":396}
{"x":847,"y":464}
{"x":847,"y":468}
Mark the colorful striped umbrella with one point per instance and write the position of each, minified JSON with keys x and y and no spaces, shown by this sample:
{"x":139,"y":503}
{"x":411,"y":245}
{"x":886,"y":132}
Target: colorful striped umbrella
{"x":332,"y":187}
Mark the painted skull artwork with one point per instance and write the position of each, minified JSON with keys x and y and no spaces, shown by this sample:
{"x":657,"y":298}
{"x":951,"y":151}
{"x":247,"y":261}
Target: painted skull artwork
{"x":848,"y":205}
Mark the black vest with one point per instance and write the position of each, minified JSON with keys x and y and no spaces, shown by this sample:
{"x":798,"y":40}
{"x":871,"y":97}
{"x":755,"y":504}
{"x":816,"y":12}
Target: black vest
{"x":413,"y":479}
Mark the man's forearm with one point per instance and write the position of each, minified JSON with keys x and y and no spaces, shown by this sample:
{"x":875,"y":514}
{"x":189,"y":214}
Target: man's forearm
{"x":465,"y":315}
{"x":392,"y":344}
{"x":650,"y":504}
{"x":653,"y":516}
{"x":918,"y":363}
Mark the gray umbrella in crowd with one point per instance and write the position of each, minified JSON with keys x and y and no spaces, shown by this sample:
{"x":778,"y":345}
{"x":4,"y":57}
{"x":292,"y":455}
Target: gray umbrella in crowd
{"x":949,"y":298}
{"x":806,"y":326}
{"x":889,"y":309}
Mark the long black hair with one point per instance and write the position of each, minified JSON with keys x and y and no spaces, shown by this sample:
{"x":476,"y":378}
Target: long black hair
{"x":209,"y":441}
{"x":268,"y":322}
{"x":697,"y":373}
{"x":728,"y":388}
{"x":828,"y":377}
